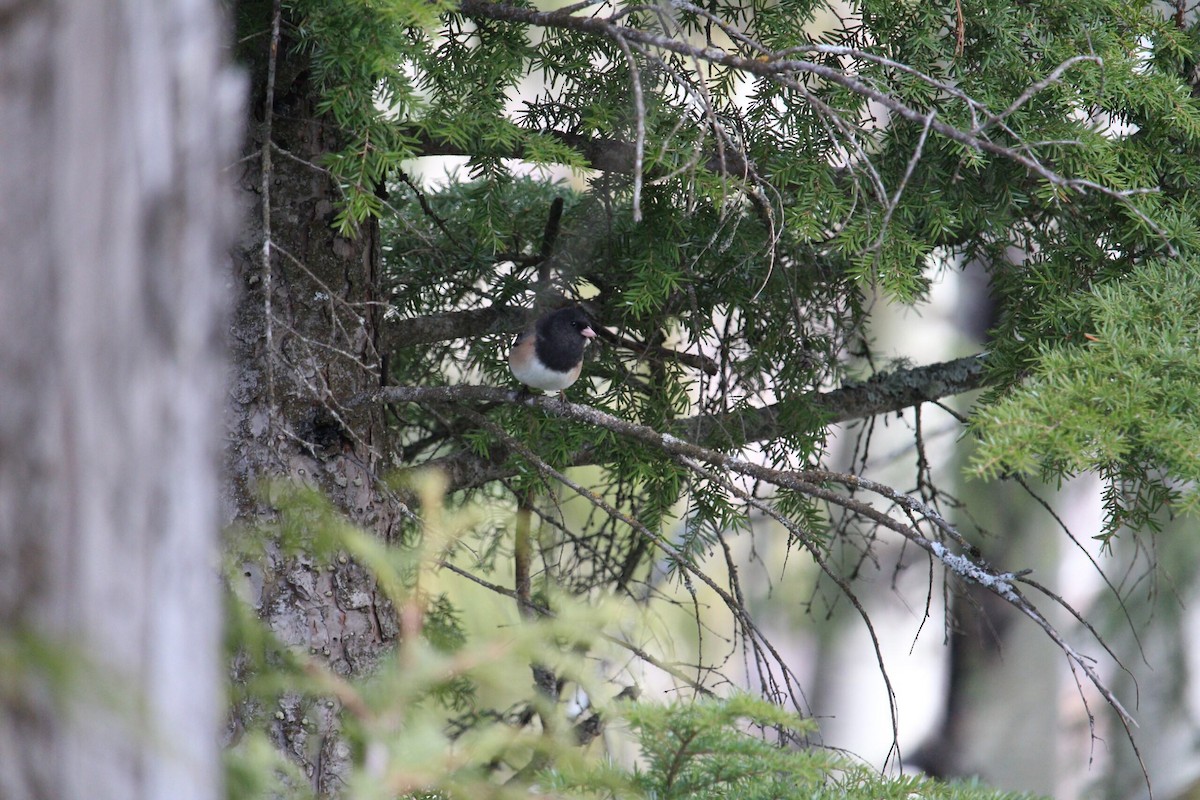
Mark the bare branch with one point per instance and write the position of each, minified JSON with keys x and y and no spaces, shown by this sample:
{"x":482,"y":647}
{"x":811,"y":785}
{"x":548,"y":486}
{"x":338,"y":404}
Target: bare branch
{"x":1043,"y":84}
{"x":912,"y":166}
{"x":805,"y":539}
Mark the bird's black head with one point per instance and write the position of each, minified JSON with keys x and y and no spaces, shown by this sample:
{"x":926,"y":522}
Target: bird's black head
{"x":561,"y":336}
{"x":569,"y":322}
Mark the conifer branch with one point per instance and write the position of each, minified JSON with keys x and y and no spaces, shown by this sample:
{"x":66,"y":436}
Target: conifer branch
{"x":603,"y":155}
{"x":814,"y":483}
{"x":883,"y":394}
{"x":786,"y":72}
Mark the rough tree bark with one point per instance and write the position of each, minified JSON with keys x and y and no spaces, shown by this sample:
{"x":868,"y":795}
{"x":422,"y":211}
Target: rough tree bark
{"x":117,"y":117}
{"x":303,"y":338}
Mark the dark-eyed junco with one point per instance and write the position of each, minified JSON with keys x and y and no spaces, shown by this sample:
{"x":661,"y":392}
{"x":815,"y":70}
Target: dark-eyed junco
{"x":549,"y":355}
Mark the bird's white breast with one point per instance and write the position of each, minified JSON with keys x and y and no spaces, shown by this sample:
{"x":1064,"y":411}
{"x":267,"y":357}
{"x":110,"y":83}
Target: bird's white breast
{"x":531,"y":373}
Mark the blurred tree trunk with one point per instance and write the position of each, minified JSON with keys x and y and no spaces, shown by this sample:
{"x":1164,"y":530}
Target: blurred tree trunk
{"x":304,"y":338}
{"x":116,"y":117}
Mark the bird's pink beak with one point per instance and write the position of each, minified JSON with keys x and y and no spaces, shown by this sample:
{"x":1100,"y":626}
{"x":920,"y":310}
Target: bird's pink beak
{"x":587,"y":332}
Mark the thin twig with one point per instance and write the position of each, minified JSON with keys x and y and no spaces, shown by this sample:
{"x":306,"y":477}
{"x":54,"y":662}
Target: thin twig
{"x":739,"y":611}
{"x":639,"y":108}
{"x":1041,"y":85}
{"x":548,"y":613}
{"x":806,"y":540}
{"x":960,"y":29}
{"x":266,"y":167}
{"x":912,"y":165}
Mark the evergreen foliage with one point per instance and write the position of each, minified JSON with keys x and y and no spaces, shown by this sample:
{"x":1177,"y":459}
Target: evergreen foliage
{"x":419,"y":726}
{"x":710,"y":750}
{"x":1052,"y":142}
{"x":1122,"y":398}
{"x":735,"y":182}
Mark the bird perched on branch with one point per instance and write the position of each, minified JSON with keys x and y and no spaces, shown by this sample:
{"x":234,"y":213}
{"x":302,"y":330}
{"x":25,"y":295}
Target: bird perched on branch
{"x":549,"y":354}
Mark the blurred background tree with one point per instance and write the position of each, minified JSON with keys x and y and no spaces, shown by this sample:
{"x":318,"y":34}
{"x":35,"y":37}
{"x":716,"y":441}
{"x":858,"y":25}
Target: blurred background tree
{"x":118,"y":119}
{"x":734,"y":192}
